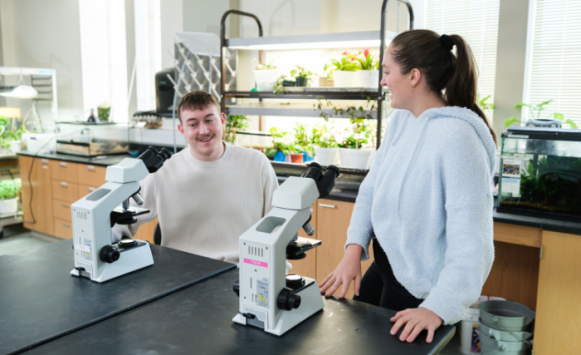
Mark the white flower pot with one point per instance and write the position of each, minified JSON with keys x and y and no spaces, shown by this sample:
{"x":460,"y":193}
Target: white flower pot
{"x":344,"y":79}
{"x":326,"y":156}
{"x":367,"y":78}
{"x":355,"y":158}
{"x":265,"y":79}
{"x":9,"y":206}
{"x":15,"y":146}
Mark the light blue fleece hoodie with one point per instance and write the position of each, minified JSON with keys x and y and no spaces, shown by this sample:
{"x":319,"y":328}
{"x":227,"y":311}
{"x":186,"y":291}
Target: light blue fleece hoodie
{"x":428,"y":199}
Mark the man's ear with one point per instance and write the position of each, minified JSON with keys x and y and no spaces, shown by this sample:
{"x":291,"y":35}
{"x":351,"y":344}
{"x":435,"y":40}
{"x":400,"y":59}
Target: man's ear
{"x":222,"y":118}
{"x":180,"y":128}
{"x":415,"y":77}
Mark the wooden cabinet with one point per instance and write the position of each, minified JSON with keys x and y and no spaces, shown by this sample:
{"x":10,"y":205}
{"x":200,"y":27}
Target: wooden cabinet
{"x":37,"y":200}
{"x":557,"y":326}
{"x":91,"y":175}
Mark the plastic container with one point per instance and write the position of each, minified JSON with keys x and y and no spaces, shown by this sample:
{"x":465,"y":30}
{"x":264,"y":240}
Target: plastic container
{"x":326,"y":156}
{"x":9,"y":206}
{"x":355,"y":158}
{"x":367,"y":78}
{"x":344,"y":79}
{"x":40,"y":142}
{"x":506,"y":315}
{"x":265,"y":79}
{"x":468,"y":327}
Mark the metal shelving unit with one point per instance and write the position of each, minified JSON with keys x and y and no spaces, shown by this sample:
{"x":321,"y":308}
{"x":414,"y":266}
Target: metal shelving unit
{"x":316,"y":41}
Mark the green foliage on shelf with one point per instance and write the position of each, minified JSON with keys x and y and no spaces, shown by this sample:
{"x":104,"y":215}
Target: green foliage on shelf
{"x":9,"y":189}
{"x":323,"y":137}
{"x":234,"y":123}
{"x":536,"y":112}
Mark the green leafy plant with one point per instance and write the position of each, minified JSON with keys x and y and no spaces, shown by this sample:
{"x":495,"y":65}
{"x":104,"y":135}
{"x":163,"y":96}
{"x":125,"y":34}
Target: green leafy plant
{"x":351,"y":111}
{"x":9,"y":189}
{"x":282,"y":141}
{"x":367,"y":60}
{"x":268,"y":66}
{"x":347,"y":62}
{"x":483,"y":104}
{"x":323,"y":137}
{"x":234,"y":123}
{"x":359,"y":135}
{"x":277,"y":87}
{"x":301,"y":72}
{"x":537,"y":113}
{"x":302,"y":140}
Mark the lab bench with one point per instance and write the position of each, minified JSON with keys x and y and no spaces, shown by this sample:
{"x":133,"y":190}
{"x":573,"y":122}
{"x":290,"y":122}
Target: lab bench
{"x":198,"y":320}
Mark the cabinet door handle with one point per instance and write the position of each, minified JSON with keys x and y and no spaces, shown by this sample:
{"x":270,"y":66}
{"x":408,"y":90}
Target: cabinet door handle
{"x":65,"y":206}
{"x":62,"y":164}
{"x":44,"y":161}
{"x":64,"y":184}
{"x":327,"y":206}
{"x":66,"y":225}
{"x":91,"y":189}
{"x":90,"y":168}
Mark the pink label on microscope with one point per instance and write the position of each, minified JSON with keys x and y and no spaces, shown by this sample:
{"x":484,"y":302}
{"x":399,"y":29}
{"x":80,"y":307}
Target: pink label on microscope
{"x":255,"y":262}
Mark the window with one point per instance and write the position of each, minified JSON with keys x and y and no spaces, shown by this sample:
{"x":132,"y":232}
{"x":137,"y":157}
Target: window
{"x":553,"y":69}
{"x":104,"y":56}
{"x":477,"y":22}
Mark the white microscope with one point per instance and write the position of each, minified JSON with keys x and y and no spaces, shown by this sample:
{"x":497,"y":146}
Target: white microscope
{"x":269,"y":298}
{"x":95,"y":214}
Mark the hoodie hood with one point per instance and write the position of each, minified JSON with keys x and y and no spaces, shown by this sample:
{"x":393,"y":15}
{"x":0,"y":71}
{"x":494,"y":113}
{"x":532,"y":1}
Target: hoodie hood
{"x":472,"y":119}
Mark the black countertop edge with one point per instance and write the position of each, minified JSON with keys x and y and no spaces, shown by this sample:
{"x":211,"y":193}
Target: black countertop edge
{"x":104,"y":160}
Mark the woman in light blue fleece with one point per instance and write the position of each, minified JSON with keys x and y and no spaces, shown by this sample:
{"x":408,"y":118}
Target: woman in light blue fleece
{"x":427,"y":197}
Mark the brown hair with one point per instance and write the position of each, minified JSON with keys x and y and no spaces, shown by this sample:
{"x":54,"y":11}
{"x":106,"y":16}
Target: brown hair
{"x":432,"y":55}
{"x":196,"y":100}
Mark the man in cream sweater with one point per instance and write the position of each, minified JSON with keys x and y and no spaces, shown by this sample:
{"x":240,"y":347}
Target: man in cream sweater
{"x":211,"y":192}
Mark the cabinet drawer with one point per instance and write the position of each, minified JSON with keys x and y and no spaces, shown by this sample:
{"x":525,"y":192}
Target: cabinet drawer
{"x":62,"y":210}
{"x":65,"y":191}
{"x":84,"y":190}
{"x":63,"y":171}
{"x":63,"y":229}
{"x":91,"y":175}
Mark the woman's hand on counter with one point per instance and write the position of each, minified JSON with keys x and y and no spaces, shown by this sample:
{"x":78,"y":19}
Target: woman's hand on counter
{"x":417,"y":319}
{"x":349,"y":269}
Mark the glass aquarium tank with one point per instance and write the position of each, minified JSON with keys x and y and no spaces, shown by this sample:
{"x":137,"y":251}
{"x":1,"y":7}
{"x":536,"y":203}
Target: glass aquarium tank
{"x":92,"y":139}
{"x":540,"y":173}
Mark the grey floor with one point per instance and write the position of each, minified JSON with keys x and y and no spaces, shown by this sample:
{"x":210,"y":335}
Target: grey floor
{"x":17,"y":238}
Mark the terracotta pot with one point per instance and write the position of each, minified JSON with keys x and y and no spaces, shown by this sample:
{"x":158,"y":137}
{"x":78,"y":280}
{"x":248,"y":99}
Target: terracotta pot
{"x":297,"y":158}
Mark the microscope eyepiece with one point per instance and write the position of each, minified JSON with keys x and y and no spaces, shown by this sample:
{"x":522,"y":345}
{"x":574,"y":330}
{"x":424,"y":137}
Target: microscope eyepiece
{"x":153,"y":159}
{"x":314,"y":172}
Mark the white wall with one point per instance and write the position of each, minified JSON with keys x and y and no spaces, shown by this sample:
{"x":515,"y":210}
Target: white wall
{"x":45,"y":34}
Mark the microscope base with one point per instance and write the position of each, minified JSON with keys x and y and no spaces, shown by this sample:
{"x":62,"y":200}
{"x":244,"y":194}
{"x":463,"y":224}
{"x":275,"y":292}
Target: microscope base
{"x":311,"y":303}
{"x":130,"y":260}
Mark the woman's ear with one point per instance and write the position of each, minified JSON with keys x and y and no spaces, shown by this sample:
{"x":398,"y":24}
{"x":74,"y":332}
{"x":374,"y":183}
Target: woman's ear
{"x":415,"y":76}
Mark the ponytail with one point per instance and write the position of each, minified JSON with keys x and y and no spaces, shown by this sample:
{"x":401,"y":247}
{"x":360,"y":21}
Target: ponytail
{"x":442,"y":70}
{"x":461,"y":86}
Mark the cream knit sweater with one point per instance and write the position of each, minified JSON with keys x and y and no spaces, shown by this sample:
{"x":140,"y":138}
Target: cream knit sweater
{"x":203,"y":207}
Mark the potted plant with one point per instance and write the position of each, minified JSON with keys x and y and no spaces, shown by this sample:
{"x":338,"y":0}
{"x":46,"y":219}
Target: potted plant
{"x":303,"y":143}
{"x":265,"y":76}
{"x":352,"y":155}
{"x":325,"y":145}
{"x":343,"y":70}
{"x":303,"y":76}
{"x":283,"y":146}
{"x":368,"y":76}
{"x":234,"y":123}
{"x":536,"y":113}
{"x":9,"y":192}
{"x":103,"y":112}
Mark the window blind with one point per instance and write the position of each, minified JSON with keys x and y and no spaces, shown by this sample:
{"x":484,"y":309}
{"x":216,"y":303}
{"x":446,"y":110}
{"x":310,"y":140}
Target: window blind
{"x":553,"y":67}
{"x":477,"y":22}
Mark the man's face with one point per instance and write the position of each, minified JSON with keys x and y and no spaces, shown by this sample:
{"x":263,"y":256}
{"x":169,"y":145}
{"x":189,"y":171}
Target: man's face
{"x":203,"y":129}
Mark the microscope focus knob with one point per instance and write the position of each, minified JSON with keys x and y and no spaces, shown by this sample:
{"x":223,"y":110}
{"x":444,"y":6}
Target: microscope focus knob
{"x":109,"y":254}
{"x":287,"y":299}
